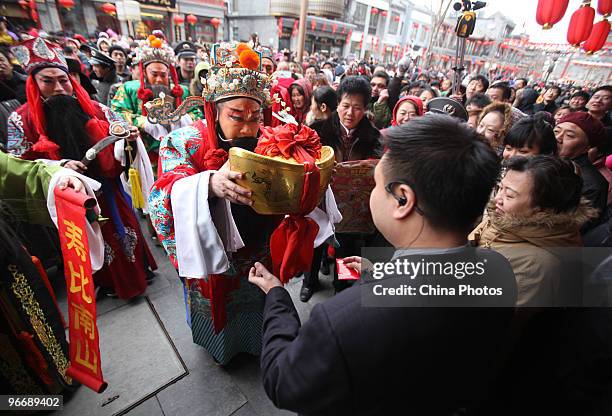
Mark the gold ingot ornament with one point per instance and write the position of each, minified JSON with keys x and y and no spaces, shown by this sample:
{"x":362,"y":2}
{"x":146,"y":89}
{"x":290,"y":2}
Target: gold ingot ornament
{"x":276,"y":183}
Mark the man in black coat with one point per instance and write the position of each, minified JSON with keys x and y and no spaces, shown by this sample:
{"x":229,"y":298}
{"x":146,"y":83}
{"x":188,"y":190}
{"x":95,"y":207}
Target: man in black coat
{"x":351,"y":359}
{"x":353,"y":137}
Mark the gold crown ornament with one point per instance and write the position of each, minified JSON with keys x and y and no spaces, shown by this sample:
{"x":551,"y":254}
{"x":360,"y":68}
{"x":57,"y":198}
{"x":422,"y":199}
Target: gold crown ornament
{"x":235,"y":71}
{"x":154,"y":49}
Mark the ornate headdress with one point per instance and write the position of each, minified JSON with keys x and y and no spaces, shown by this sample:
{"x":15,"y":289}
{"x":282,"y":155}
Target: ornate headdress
{"x":155,"y":49}
{"x":39,"y":53}
{"x":236,"y":72}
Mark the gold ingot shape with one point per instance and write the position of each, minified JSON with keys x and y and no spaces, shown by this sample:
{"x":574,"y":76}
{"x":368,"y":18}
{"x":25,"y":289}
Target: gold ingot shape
{"x":276,"y":183}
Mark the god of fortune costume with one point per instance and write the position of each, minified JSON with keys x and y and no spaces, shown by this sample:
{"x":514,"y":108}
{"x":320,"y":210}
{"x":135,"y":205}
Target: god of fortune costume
{"x":33,"y":347}
{"x":131,"y":98}
{"x":200,"y":233}
{"x":126,"y":253}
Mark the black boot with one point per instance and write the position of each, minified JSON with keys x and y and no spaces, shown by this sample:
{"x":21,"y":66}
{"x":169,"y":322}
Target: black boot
{"x":306,"y":292}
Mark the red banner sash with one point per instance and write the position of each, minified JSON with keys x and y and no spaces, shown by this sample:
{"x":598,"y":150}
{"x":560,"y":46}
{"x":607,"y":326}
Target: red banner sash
{"x":85,"y":363}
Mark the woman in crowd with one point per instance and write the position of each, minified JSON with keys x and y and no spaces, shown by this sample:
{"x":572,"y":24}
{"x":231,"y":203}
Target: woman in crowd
{"x":323,"y":103}
{"x":537,"y":211}
{"x":494,"y":123}
{"x":406,"y":109}
{"x":300,"y":92}
{"x":428,"y":94}
{"x":530,"y":136}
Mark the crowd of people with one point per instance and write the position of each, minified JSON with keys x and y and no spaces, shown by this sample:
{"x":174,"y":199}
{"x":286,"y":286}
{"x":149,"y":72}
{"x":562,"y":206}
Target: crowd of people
{"x":514,"y":166}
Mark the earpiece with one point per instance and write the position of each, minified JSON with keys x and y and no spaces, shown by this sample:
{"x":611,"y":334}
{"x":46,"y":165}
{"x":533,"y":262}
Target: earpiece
{"x":402,"y":201}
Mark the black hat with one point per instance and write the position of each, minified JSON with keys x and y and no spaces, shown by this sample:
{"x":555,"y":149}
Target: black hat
{"x":185,"y":49}
{"x":100,"y":58}
{"x":448,"y":106}
{"x":116,"y":48}
{"x":74,"y":67}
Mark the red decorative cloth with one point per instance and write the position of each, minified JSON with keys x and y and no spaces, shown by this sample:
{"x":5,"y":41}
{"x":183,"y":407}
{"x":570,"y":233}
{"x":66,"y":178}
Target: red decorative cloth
{"x":292,"y":243}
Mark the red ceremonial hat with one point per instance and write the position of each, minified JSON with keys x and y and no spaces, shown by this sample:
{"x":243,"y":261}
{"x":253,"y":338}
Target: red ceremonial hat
{"x":592,"y":127}
{"x":38,"y":53}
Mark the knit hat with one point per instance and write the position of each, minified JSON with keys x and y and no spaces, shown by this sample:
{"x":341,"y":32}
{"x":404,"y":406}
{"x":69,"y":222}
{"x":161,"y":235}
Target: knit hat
{"x":592,"y":127}
{"x":418,"y":103}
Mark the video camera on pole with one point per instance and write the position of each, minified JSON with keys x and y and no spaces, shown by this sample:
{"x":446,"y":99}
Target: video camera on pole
{"x":464,"y":29}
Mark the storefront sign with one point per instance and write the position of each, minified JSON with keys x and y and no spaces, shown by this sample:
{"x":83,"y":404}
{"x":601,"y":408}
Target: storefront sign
{"x":159,"y":3}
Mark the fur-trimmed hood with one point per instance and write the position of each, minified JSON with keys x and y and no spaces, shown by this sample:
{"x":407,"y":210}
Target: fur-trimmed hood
{"x":544,"y":229}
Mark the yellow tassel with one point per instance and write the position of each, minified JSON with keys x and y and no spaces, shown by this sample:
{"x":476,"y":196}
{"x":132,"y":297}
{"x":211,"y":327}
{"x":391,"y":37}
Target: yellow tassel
{"x":137,"y":198}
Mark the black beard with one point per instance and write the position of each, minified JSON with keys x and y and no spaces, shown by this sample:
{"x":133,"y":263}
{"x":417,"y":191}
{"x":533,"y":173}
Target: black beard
{"x":246,"y":143}
{"x":66,"y":121}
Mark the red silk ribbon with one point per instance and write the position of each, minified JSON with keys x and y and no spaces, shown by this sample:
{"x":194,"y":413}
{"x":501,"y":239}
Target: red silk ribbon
{"x":292,"y":243}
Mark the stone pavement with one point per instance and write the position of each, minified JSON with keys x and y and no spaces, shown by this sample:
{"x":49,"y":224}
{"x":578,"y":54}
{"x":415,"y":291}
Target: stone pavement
{"x":208,"y":389}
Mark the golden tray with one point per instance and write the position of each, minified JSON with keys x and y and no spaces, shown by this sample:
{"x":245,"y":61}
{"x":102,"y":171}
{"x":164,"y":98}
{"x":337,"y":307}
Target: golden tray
{"x":277,"y":182}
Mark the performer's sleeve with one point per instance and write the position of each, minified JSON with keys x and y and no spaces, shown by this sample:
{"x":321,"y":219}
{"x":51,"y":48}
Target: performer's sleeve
{"x":303,"y":368}
{"x":195,"y":113}
{"x":23,"y":185}
{"x":174,"y":164}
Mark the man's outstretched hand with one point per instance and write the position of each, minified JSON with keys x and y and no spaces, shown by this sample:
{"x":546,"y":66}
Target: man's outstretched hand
{"x":262,"y":278}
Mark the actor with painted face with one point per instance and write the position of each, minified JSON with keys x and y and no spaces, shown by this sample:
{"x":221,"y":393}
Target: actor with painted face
{"x":157,"y":75}
{"x":195,"y":186}
{"x":60,"y":123}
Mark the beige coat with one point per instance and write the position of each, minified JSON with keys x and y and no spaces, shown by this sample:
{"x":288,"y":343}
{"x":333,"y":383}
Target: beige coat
{"x":537,"y":249}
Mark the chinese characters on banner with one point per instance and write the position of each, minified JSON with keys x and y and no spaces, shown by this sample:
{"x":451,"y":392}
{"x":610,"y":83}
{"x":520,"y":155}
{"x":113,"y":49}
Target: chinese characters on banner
{"x":85,"y":365}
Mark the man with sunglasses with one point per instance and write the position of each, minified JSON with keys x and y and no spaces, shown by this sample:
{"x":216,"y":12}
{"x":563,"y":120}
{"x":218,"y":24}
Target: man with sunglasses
{"x":432,"y":184}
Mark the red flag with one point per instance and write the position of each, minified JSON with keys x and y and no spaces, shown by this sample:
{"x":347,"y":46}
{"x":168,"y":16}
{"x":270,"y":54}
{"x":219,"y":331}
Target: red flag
{"x":85,"y":360}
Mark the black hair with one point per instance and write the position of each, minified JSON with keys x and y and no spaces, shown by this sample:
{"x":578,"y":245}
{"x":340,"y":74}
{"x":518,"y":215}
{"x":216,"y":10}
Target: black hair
{"x":6,"y":51}
{"x":450,"y":168}
{"x":533,"y":131}
{"x":563,"y":107}
{"x":506,"y":90}
{"x":556,"y":185}
{"x":484,"y":80}
{"x":431,"y":90}
{"x":480,"y":100}
{"x":316,"y":68}
{"x":554,"y":87}
{"x":525,"y":81}
{"x":117,"y":48}
{"x":607,"y":88}
{"x":381,"y":74}
{"x":355,"y":85}
{"x":582,"y":94}
{"x":326,"y":95}
{"x":297,"y":87}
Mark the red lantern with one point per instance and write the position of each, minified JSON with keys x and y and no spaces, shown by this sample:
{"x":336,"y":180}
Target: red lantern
{"x":324,"y":27}
{"x":313,"y":25}
{"x":191,"y":19}
{"x":383,"y":13}
{"x":598,"y":37}
{"x":374,"y":10}
{"x":23,"y":4}
{"x":396,"y":18}
{"x":109,"y":8}
{"x":581,"y":24}
{"x":604,"y":7}
{"x":294,"y":31}
{"x":215,"y":22}
{"x":550,"y":12}
{"x":178,"y":19}
{"x":334,"y":28}
{"x":66,"y":4}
